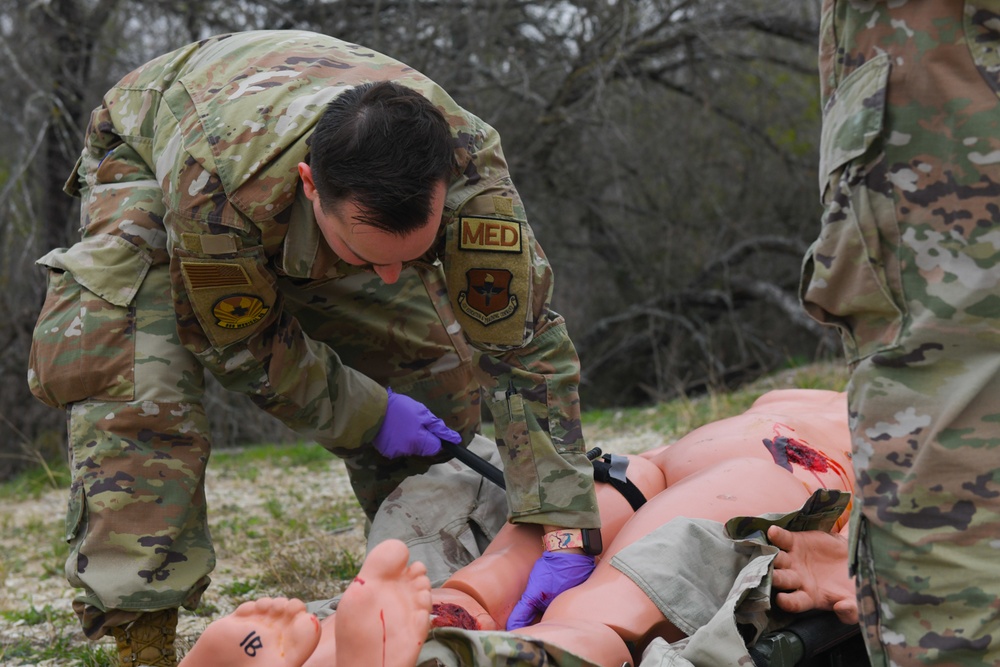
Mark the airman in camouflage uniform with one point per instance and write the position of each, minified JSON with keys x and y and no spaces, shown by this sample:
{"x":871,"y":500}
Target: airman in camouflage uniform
{"x":200,"y":250}
{"x":907,"y":267}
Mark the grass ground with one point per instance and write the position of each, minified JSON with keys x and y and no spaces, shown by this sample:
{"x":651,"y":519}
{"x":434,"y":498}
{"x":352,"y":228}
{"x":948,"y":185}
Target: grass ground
{"x":283,"y":520}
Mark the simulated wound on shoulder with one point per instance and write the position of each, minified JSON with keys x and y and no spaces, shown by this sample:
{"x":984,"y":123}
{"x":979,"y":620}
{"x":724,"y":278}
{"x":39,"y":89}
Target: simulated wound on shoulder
{"x":488,"y":271}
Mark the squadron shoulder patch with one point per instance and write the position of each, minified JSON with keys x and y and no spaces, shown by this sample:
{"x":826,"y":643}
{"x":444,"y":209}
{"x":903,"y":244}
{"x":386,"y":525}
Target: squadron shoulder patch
{"x":487,"y":298}
{"x":230,"y":299}
{"x":489,"y":234}
{"x":238,"y":311}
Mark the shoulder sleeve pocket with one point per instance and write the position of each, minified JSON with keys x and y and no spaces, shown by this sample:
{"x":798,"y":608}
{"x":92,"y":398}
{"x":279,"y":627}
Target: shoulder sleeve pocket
{"x":109,"y":266}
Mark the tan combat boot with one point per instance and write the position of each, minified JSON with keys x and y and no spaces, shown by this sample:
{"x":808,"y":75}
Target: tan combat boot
{"x":148,"y":641}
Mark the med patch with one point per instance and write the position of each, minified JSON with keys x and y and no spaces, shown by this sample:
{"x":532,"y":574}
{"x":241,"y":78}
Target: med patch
{"x":489,"y":235}
{"x":488,"y":272}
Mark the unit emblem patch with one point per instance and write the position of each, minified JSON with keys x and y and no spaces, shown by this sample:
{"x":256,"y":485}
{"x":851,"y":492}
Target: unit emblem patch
{"x":487,"y":297}
{"x":238,"y":311}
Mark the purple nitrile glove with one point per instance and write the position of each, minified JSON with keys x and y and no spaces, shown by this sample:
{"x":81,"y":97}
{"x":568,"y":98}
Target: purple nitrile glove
{"x":410,"y":429}
{"x":552,"y":574}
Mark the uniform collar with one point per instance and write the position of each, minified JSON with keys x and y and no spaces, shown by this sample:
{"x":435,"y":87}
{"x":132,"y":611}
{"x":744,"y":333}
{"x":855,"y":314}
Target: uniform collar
{"x":305,"y":253}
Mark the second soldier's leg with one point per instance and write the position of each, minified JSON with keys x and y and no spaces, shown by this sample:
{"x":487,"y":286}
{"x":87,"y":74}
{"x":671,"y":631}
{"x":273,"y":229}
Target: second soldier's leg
{"x":926,"y":549}
{"x":908,"y":266}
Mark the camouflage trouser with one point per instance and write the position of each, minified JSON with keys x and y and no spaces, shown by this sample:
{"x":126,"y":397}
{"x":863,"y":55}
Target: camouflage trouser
{"x":908,"y":267}
{"x":106,"y":348}
{"x":455,"y":647}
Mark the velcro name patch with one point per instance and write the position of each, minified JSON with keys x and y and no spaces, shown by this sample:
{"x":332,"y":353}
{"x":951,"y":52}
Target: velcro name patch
{"x":489,"y":234}
{"x":503,"y":206}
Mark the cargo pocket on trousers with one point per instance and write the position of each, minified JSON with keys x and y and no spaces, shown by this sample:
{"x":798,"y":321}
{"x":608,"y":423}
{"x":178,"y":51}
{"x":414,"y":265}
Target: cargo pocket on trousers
{"x":514,"y":444}
{"x":83,"y":345}
{"x":851,"y":275}
{"x":76,"y":533}
{"x":75,"y":512}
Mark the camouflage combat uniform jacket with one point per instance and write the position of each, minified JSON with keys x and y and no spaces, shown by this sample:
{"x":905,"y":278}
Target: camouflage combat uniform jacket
{"x":221,"y":125}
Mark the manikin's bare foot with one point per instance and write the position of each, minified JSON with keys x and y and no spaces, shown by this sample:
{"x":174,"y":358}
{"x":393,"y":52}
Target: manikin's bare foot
{"x":811,"y":569}
{"x":273,"y":632}
{"x":384,"y":615}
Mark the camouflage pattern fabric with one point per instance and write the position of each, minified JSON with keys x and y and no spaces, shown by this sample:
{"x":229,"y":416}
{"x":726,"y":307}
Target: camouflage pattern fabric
{"x":455,"y":647}
{"x":907,"y":268}
{"x":138,"y":479}
{"x":197,"y":243}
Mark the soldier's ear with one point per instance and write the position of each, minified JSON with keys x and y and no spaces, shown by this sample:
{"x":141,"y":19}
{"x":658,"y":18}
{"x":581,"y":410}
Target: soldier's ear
{"x":308,"y":185}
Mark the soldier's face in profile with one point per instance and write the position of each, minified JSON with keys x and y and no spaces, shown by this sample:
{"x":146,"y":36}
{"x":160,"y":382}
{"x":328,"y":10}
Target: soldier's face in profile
{"x":360,"y":244}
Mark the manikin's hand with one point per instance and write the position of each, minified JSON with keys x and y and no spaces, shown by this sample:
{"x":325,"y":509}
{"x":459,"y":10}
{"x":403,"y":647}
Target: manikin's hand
{"x":810,"y":572}
{"x":553,"y":573}
{"x":410,"y":429}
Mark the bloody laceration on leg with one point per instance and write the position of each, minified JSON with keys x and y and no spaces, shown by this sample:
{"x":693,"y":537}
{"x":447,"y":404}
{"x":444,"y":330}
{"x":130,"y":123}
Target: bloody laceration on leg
{"x":381,"y":618}
{"x":448,"y":615}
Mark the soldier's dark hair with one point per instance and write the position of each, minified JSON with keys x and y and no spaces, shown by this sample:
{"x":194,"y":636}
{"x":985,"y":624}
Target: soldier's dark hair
{"x":383,"y":146}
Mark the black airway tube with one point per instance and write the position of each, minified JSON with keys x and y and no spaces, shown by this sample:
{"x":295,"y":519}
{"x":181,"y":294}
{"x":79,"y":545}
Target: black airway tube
{"x":483,"y":467}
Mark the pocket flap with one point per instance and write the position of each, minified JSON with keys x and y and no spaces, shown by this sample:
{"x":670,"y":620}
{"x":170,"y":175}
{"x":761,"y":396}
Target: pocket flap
{"x":75,"y":512}
{"x":853,"y":117}
{"x":110,"y":267}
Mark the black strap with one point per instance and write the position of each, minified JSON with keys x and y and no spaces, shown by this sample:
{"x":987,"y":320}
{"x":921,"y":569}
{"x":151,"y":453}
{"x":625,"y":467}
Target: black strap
{"x":602,"y":473}
{"x":608,"y":468}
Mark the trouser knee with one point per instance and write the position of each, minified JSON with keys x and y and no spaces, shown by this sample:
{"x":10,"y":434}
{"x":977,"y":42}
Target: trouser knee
{"x":137,"y":520}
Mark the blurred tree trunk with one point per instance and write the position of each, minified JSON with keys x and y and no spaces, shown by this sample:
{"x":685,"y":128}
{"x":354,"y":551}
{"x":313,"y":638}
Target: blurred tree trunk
{"x":70,"y":31}
{"x":51,"y":54}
